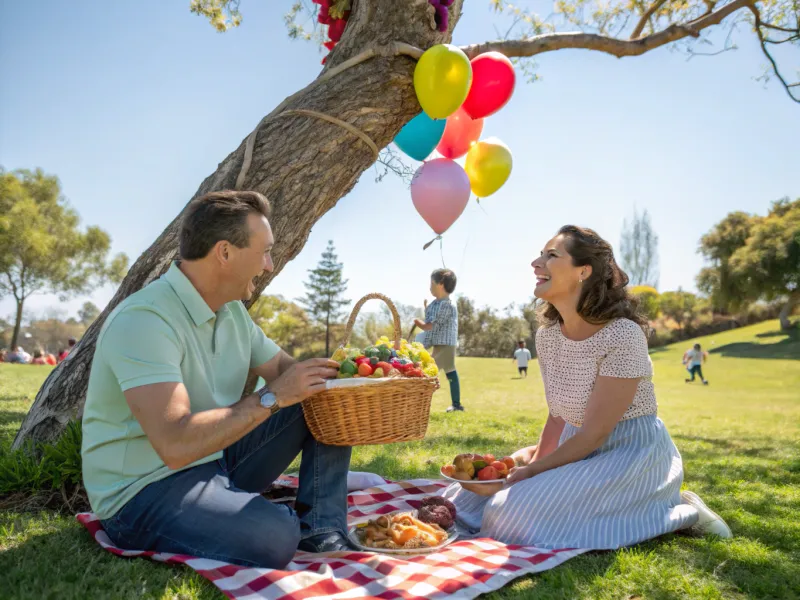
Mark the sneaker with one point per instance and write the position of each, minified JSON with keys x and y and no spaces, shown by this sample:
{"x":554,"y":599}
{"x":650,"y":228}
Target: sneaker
{"x":325,"y":542}
{"x":688,"y":381}
{"x":709,"y":521}
{"x":705,"y":383}
{"x":454,"y":408}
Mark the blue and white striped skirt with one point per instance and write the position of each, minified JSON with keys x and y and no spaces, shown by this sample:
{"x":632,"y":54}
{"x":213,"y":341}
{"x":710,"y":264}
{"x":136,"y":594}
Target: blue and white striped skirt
{"x":625,"y":492}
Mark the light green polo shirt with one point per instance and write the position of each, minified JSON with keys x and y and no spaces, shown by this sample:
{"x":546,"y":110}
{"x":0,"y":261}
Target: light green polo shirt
{"x":163,"y":333}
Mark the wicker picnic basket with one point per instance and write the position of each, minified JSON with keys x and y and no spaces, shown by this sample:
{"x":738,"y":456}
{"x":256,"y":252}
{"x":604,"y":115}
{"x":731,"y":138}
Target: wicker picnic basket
{"x":396,"y":410}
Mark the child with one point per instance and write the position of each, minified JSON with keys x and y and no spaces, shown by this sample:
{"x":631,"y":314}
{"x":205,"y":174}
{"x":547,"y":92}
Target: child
{"x":441,"y":330}
{"x":694,"y":359}
{"x":522,"y":356}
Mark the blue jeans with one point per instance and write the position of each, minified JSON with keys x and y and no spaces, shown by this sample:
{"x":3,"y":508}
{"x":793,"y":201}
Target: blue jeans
{"x":215,"y":510}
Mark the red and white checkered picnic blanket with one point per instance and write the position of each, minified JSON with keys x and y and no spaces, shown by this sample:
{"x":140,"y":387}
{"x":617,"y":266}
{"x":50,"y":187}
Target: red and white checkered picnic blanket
{"x":464,"y":569}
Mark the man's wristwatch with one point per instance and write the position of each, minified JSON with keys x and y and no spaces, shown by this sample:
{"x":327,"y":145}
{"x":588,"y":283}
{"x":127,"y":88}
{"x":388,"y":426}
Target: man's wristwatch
{"x":268,"y":400}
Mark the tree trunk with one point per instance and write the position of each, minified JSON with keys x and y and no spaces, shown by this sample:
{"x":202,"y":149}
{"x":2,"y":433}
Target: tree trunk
{"x":17,"y":325}
{"x":787,"y":309}
{"x":328,"y":335}
{"x":302,"y":164}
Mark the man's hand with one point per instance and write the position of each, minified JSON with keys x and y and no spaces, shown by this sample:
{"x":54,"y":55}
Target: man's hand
{"x":302,"y":380}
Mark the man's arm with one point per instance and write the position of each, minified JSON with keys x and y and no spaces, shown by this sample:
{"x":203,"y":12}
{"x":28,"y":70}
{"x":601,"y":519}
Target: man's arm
{"x":275,"y":367}
{"x":181,"y":437}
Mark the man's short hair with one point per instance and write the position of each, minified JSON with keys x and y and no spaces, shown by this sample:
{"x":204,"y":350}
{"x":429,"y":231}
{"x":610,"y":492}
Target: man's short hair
{"x":71,"y":341}
{"x":697,"y":346}
{"x":446,"y":277}
{"x":219,"y":216}
{"x":521,"y":342}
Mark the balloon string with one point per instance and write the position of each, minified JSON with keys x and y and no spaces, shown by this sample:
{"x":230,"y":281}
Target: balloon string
{"x":428,"y":245}
{"x":478,"y":200}
{"x":441,"y":252}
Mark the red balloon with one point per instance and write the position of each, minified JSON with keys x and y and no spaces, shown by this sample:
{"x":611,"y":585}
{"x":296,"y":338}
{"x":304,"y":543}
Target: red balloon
{"x":493,"y":82}
{"x":460,"y":133}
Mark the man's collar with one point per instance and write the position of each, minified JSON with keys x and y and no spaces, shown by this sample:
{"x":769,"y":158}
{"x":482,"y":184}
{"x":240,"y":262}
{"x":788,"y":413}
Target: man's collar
{"x":189,"y":296}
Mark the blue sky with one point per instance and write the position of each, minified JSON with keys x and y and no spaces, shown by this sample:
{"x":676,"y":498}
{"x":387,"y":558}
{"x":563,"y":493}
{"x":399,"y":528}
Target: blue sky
{"x":133,"y":105}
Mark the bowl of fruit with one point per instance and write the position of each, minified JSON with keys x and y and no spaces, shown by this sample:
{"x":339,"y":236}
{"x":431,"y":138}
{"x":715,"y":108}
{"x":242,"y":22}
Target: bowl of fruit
{"x":478,"y":469}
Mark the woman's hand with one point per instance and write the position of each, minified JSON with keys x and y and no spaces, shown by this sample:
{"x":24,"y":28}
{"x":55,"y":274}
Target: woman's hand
{"x":520,"y":473}
{"x":524,"y":456}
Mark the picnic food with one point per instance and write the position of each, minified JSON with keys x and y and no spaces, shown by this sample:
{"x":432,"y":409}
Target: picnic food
{"x":435,"y":509}
{"x":401,"y":531}
{"x":478,"y":467}
{"x":383,"y":360}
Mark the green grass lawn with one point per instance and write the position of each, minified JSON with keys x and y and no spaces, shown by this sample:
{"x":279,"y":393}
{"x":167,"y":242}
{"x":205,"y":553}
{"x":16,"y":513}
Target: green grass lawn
{"x":740,"y":440}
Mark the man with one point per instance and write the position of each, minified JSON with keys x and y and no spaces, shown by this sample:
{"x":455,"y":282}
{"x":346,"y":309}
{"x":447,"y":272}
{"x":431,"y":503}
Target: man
{"x":522,"y":355}
{"x":694,"y":359}
{"x":173,"y":459}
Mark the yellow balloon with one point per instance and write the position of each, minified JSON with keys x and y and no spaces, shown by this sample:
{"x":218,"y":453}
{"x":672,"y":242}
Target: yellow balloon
{"x":441,"y":79}
{"x":488,"y":166}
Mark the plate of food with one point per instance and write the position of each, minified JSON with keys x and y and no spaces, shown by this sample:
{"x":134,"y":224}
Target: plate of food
{"x":408,"y":531}
{"x":478,"y":469}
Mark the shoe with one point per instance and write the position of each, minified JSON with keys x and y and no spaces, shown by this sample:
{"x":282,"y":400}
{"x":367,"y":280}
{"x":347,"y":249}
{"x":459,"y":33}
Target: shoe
{"x":688,"y":381}
{"x":705,"y":383}
{"x":709,"y":521}
{"x":454,"y":408}
{"x":325,"y":542}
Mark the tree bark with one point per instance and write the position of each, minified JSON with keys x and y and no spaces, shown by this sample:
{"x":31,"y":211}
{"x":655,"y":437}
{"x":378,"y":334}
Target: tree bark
{"x":302,"y":164}
{"x":786,"y":311}
{"x":17,"y":324}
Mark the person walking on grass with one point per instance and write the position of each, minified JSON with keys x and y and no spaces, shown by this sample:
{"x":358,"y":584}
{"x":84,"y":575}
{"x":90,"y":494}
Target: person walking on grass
{"x":694,"y":359}
{"x":174,"y":460}
{"x":441,"y":330}
{"x":605,"y":473}
{"x":522,"y":355}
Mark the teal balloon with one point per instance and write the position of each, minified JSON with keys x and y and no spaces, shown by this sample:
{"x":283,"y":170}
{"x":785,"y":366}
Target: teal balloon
{"x":420,"y":136}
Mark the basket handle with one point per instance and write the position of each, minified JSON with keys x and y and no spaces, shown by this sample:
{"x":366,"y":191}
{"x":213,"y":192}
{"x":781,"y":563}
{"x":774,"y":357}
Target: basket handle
{"x":351,"y":321}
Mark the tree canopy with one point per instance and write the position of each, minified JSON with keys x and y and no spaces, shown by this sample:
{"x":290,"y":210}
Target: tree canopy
{"x":42,"y":248}
{"x":754,"y":258}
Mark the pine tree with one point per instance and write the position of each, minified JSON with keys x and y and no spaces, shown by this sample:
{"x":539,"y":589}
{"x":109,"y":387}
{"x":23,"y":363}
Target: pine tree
{"x":325,"y":286}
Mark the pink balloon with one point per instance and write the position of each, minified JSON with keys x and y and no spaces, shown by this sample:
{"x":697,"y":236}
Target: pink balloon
{"x":460,"y":133}
{"x":440,"y":192}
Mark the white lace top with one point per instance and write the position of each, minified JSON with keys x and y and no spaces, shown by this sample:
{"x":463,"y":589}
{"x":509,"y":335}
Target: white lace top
{"x":569,"y":368}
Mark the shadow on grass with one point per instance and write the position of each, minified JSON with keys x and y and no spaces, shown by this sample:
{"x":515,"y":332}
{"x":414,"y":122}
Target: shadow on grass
{"x":788,"y":347}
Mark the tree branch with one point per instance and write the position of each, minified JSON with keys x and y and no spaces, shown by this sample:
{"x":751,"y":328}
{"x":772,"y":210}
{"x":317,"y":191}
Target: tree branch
{"x":637,"y":31}
{"x":763,"y":41}
{"x":549,"y":42}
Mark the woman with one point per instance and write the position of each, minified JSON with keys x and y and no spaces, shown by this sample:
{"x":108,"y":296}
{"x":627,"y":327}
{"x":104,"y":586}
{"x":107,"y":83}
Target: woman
{"x":605,"y":473}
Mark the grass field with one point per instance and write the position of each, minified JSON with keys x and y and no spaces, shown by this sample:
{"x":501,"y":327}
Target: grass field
{"x":740,"y":440}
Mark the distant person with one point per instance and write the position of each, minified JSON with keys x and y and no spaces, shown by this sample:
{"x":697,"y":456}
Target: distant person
{"x":64,"y":353}
{"x":694,"y":359}
{"x":3,"y":355}
{"x":38,"y":358}
{"x":18,"y":356}
{"x":522,"y":355}
{"x":50,"y":359}
{"x":441,"y":330}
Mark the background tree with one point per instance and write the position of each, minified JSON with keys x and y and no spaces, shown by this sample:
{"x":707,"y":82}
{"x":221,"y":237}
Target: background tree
{"x":88,"y":313}
{"x":41,"y":246}
{"x":288,"y":325}
{"x":323,"y":300}
{"x":304,"y":165}
{"x":639,"y":250}
{"x":649,"y":300}
{"x":719,"y":282}
{"x":680,"y":306}
{"x":768,"y":264}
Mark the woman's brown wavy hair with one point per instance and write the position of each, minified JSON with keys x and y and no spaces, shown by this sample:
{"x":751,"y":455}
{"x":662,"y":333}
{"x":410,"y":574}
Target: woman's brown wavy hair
{"x":604,"y":295}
